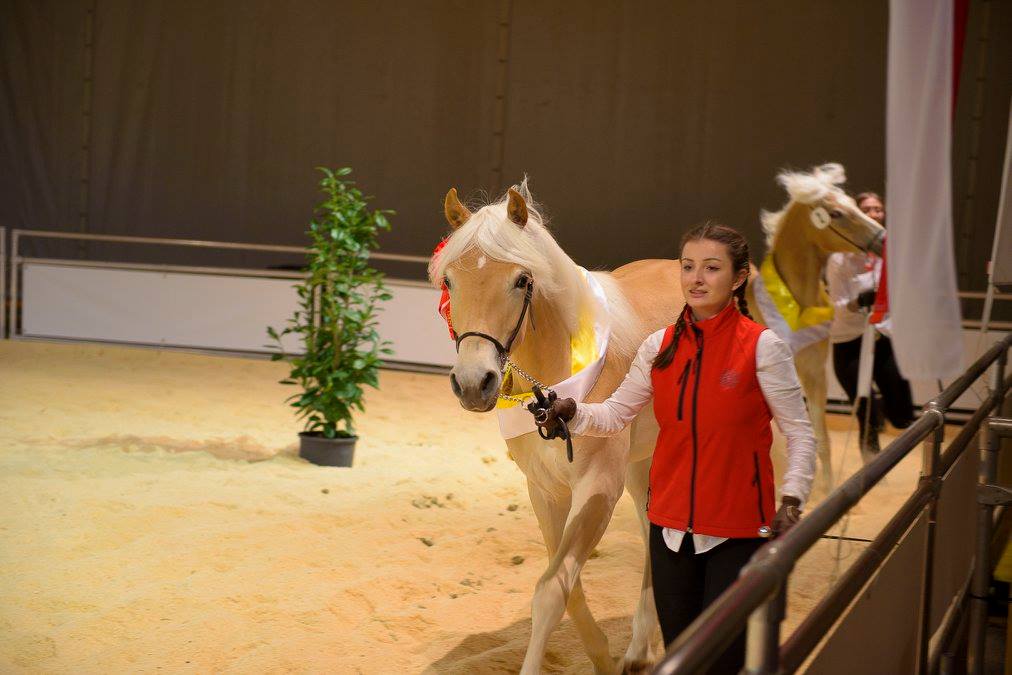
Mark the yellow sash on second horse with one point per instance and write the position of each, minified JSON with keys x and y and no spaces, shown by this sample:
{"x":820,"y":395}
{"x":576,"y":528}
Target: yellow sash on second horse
{"x":796,"y":325}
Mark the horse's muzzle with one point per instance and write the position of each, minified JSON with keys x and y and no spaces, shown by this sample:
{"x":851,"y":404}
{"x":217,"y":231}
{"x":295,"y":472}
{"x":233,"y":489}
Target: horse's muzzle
{"x":476,"y":389}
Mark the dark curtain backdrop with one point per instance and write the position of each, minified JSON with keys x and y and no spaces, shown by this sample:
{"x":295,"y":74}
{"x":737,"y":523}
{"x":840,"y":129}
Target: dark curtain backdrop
{"x":634,"y":120}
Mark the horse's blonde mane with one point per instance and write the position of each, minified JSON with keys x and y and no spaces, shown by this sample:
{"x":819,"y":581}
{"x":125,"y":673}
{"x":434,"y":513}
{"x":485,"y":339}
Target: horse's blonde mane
{"x":803,"y":188}
{"x":533,"y":247}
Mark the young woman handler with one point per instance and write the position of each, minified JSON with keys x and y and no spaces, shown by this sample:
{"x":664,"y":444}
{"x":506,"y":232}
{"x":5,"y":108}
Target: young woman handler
{"x":717,"y":378}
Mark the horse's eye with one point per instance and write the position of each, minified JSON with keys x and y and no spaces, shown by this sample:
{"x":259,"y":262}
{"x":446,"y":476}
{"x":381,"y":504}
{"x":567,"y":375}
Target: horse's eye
{"x":834,"y":214}
{"x":446,"y":282}
{"x":522,"y":281}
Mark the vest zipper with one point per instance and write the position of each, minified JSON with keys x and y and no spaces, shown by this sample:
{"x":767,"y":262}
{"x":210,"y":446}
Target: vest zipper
{"x":683,"y":380}
{"x":695,"y":435}
{"x":759,"y":489}
{"x":647,"y":507}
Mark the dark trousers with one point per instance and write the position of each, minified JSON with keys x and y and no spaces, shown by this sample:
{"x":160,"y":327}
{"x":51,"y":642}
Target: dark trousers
{"x":896,"y":403}
{"x":686,"y":583}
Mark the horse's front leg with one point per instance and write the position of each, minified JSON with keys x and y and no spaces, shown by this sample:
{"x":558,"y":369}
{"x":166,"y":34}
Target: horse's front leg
{"x":599,"y":474}
{"x":811,"y":365}
{"x":644,"y":628}
{"x":551,"y":511}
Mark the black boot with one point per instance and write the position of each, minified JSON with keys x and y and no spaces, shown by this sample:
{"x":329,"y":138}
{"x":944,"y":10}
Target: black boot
{"x":877,"y":412}
{"x":868,"y":429}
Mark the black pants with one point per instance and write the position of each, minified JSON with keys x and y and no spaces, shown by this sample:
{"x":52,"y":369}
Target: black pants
{"x":686,"y":583}
{"x":896,"y":403}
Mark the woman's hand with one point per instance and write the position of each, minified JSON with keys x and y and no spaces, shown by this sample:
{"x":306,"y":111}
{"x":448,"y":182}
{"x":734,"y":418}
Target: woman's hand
{"x":787,"y":516}
{"x":546,"y":418}
{"x":864,"y":300}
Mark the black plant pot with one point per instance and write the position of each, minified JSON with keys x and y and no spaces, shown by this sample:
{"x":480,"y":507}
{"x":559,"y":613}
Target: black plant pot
{"x":324,"y":451}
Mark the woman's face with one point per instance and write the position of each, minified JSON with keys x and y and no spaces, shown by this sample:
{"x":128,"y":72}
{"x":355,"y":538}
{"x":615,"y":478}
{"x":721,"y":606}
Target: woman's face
{"x":874,"y":209}
{"x":708,"y":277}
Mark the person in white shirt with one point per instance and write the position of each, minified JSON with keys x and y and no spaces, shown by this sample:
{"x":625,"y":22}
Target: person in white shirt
{"x":853,"y":280}
{"x":716,"y":379}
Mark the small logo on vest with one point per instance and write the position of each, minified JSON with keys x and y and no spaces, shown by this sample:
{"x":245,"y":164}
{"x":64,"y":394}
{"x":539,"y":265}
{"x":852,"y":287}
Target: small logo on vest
{"x":729,"y":379}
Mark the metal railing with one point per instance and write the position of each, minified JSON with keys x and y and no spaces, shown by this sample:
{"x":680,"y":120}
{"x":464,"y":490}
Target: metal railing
{"x":17,"y":260}
{"x":992,"y":500}
{"x":758,"y":598}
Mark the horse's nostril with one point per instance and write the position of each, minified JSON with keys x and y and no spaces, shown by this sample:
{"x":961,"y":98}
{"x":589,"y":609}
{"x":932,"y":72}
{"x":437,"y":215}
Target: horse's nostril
{"x":455,"y":386}
{"x":488,"y":384}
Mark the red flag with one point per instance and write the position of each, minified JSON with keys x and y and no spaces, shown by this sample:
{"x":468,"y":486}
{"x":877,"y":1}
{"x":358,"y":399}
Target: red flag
{"x":881,"y":306}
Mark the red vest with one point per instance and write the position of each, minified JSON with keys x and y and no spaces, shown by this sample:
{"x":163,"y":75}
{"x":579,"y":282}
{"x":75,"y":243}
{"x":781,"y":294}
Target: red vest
{"x":711,"y":470}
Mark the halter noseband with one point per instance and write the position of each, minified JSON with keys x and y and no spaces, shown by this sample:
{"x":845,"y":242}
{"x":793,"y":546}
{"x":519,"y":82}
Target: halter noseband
{"x":867,"y":247}
{"x":501,"y":349}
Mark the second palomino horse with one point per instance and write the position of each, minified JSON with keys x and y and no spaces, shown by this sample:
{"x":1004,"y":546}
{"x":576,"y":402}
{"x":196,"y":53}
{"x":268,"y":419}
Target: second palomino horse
{"x":788,"y":294}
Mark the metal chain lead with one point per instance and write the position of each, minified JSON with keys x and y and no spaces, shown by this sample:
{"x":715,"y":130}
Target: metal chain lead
{"x":527,"y":376}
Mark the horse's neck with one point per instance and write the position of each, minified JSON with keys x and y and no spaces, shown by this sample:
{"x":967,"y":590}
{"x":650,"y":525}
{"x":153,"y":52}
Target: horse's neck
{"x":798,"y":262}
{"x":545,"y":351}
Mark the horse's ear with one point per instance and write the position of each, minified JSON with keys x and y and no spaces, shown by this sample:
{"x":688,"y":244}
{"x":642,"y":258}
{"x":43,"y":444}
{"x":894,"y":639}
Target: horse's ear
{"x":456,"y":213}
{"x":517,"y":208}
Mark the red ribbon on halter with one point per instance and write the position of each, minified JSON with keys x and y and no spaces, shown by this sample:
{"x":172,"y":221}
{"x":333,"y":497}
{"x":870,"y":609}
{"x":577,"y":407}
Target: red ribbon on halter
{"x":881,"y":306}
{"x":444,"y":299}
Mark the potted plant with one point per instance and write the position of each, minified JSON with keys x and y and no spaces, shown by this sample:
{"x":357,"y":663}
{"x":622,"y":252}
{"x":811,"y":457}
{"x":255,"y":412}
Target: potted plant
{"x":336,"y":321}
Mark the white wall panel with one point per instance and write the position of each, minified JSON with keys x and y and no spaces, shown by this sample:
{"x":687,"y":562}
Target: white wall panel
{"x":203,"y":311}
{"x":210,"y":311}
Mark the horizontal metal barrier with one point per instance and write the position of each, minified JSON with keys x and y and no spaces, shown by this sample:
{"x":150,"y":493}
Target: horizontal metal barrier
{"x":757,"y":597}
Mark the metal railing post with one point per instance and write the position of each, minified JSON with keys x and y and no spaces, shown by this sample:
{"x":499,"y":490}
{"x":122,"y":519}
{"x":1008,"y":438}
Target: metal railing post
{"x":762,"y":641}
{"x":930,"y":474}
{"x":982,"y":560}
{"x":996,"y":429}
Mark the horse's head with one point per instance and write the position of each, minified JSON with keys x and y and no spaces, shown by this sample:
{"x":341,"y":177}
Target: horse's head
{"x":829,"y":217}
{"x":494,"y":263}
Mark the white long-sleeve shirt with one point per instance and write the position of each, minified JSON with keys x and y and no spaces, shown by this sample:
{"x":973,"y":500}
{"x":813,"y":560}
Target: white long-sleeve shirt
{"x":779,"y":383}
{"x":847,"y":276}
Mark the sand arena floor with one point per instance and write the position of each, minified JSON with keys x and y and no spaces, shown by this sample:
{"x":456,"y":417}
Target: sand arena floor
{"x":156,"y":518}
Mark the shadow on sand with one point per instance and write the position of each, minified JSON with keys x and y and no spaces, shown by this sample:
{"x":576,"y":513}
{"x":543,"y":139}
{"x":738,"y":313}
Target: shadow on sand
{"x":502,"y":651}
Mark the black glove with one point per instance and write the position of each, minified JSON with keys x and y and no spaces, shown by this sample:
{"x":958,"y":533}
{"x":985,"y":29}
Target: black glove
{"x":557,"y":408}
{"x":866,"y":298}
{"x":787,"y":516}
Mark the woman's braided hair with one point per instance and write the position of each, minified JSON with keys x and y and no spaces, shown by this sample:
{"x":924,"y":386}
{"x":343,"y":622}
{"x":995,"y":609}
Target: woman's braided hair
{"x":737,"y":250}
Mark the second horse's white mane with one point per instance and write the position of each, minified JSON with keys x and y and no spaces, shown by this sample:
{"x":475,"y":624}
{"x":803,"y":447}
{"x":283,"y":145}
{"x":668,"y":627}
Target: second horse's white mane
{"x":803,"y":187}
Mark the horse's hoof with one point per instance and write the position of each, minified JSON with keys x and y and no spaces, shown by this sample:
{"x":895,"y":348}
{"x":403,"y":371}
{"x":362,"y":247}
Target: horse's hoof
{"x":637,"y":667}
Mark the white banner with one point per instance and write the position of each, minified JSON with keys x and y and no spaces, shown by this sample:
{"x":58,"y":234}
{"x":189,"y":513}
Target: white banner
{"x":922,"y":270}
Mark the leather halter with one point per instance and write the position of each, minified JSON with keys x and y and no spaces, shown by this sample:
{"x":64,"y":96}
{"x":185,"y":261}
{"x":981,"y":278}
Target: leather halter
{"x":867,"y":247}
{"x":503,"y":350}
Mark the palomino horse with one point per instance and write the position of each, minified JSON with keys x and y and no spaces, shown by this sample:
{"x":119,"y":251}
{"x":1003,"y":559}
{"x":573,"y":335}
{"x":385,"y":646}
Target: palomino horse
{"x":820,"y":218}
{"x":513,"y":289}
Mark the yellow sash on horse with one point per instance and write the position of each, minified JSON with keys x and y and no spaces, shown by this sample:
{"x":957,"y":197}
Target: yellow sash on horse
{"x":798,"y":326}
{"x":796,"y":317}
